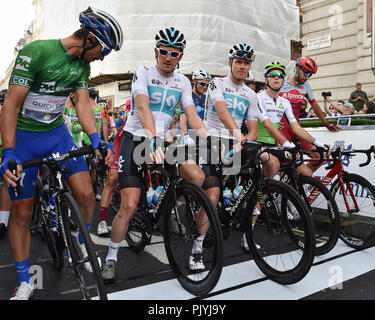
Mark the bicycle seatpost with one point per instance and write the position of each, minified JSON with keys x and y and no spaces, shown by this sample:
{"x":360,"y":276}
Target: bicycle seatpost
{"x":13,"y":169}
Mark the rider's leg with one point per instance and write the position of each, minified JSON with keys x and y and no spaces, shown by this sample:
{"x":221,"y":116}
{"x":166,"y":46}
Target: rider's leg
{"x":80,"y":184}
{"x":107,"y":194}
{"x":5,"y":205}
{"x":190,"y":171}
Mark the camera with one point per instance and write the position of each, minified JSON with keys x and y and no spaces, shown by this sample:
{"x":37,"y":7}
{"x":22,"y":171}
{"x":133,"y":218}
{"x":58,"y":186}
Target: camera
{"x":326,"y":94}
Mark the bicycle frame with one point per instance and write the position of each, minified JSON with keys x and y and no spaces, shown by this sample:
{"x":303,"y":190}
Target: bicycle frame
{"x":338,"y":170}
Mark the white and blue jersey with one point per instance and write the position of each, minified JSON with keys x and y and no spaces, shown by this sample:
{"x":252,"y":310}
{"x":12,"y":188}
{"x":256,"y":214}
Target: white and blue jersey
{"x":164,"y":95}
{"x":199,"y":106}
{"x":242,"y":103}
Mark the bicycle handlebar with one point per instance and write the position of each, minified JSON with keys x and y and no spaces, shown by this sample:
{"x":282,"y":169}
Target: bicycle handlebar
{"x":58,"y":157}
{"x":338,"y":153}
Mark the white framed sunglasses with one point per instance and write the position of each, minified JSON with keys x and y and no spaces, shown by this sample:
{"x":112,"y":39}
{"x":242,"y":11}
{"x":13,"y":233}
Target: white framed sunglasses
{"x":164,"y":53}
{"x":105,"y":49}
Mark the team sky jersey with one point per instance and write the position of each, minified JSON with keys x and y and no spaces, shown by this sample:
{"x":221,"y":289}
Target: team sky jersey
{"x":274,"y":111}
{"x":295,"y":96}
{"x":242,"y":103}
{"x":164,"y":95}
{"x":75,"y":127}
{"x":50,"y":73}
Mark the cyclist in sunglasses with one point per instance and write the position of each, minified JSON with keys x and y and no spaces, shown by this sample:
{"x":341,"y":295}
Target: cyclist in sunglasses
{"x":201,"y":80}
{"x":297,"y":88}
{"x":272,"y":108}
{"x":33,"y":126}
{"x":230,"y":103}
{"x":156,"y":93}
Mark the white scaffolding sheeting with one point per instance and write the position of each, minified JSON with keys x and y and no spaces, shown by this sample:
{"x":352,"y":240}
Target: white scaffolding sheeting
{"x":210,"y":27}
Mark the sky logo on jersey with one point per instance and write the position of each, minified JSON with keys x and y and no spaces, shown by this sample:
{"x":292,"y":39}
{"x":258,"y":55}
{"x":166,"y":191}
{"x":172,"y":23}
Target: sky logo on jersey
{"x":163,"y":100}
{"x":47,"y":87}
{"x":23,"y":63}
{"x":237,"y":106}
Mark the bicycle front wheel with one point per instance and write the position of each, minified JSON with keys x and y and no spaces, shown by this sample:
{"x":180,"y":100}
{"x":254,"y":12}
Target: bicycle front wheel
{"x":80,"y":250}
{"x":193,"y":217}
{"x":357,"y":212}
{"x":283,"y":248}
{"x":324,"y":213}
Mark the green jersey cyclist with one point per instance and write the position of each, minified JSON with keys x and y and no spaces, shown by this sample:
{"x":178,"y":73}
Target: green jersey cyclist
{"x":32,"y":124}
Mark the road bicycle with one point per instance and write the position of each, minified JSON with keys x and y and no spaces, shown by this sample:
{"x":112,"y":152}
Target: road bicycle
{"x":283,"y":249}
{"x":355,"y":198}
{"x":317,"y":197}
{"x":177,"y":215}
{"x":61,"y":224}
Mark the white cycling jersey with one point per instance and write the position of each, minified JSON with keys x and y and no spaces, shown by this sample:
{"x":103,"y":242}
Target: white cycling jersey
{"x":164,"y":95}
{"x":241,"y":102}
{"x":274,"y":111}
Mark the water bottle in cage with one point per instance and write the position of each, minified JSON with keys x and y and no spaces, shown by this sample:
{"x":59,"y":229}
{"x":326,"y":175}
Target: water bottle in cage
{"x":149,"y":197}
{"x":51,"y":207}
{"x":157,"y":194}
{"x":227,"y":195}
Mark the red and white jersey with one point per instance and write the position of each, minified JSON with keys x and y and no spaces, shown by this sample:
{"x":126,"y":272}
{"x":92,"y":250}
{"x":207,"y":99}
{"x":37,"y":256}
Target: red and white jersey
{"x":295,"y":95}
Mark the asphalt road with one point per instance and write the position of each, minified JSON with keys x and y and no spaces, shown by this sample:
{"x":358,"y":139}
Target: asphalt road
{"x":342,"y":274}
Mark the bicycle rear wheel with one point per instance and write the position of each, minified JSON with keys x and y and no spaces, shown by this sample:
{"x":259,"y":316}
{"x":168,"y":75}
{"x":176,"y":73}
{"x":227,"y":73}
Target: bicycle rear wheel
{"x":324,"y":213}
{"x":282,"y":248}
{"x":357,"y":226}
{"x":91,"y":284}
{"x":182,"y":225}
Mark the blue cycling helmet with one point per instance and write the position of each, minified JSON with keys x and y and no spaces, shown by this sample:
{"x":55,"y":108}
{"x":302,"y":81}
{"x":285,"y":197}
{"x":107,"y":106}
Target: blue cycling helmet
{"x":104,"y":26}
{"x":201,"y":75}
{"x":242,"y":51}
{"x":170,"y":37}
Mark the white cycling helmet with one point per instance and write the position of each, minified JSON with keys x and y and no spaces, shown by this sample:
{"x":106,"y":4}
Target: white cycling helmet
{"x":242,"y":51}
{"x":170,"y":37}
{"x":201,"y":75}
{"x":104,"y":26}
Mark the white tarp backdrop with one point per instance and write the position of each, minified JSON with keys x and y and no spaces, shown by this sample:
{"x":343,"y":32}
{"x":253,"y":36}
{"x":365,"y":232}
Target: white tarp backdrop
{"x":211,"y":27}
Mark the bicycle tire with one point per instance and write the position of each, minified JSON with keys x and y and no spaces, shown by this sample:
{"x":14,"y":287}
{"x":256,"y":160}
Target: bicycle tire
{"x":53,"y":238}
{"x":178,"y":242}
{"x":69,"y":211}
{"x":356,"y":230}
{"x":324,"y":213}
{"x":294,"y":240}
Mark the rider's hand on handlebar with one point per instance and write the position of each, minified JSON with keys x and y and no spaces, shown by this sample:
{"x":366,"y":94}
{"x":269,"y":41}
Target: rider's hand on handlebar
{"x":8,"y":154}
{"x":157,"y":154}
{"x":333,"y":127}
{"x":95,"y":140}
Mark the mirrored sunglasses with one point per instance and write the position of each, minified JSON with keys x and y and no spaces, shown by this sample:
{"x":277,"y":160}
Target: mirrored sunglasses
{"x":307,"y":74}
{"x":245,"y":55}
{"x":164,"y":53}
{"x":276,"y":74}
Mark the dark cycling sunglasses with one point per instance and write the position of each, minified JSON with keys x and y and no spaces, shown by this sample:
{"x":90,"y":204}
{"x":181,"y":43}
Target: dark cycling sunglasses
{"x":307,"y":74}
{"x":164,"y":53}
{"x":203,"y":84}
{"x":276,"y":74}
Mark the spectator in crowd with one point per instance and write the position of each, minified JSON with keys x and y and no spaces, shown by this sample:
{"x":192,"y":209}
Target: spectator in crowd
{"x":368,"y":108}
{"x":358,"y":97}
{"x":348,"y":109}
{"x":251,"y":84}
{"x":312,"y":114}
{"x":302,"y":112}
{"x":334,"y":109}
